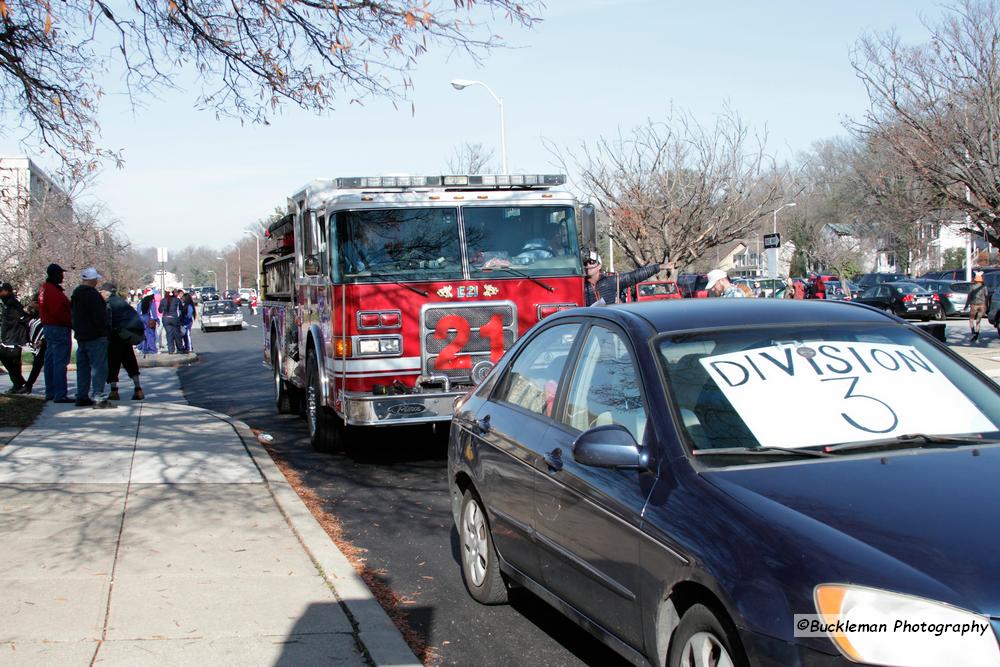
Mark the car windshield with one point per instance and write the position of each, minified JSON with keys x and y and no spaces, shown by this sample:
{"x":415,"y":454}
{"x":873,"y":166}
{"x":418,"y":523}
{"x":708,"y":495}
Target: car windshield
{"x":220,"y":308}
{"x":537,"y":240}
{"x":398,"y":244}
{"x":814,"y":385}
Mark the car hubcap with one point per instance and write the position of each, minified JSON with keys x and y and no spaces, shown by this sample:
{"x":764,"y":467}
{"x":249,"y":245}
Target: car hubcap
{"x":474,"y":543}
{"x":705,"y":650}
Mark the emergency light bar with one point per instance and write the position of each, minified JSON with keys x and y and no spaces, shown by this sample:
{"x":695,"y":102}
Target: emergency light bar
{"x":451,"y":181}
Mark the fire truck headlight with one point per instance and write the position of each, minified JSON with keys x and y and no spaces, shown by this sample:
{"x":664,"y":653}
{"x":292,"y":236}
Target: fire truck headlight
{"x":390,"y":345}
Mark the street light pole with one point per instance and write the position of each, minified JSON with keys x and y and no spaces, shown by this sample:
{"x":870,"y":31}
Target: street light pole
{"x":257,"y":239}
{"x":774,"y":228}
{"x":459,"y":84}
{"x":226,"y":261}
{"x":772,"y":253}
{"x":215,"y":278}
{"x":239,"y":267}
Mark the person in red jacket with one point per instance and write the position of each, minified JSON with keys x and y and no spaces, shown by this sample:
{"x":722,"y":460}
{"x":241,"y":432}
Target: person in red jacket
{"x":57,"y":320}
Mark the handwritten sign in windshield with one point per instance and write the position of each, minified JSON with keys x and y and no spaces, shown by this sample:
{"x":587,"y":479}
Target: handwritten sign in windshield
{"x":821,"y":393}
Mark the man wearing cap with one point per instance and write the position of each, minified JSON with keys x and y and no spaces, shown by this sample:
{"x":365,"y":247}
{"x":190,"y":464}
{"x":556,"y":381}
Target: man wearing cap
{"x":604,"y":288}
{"x":57,"y":321}
{"x":13,"y":334}
{"x":977,"y":304}
{"x":718,"y":283}
{"x":91,"y":325}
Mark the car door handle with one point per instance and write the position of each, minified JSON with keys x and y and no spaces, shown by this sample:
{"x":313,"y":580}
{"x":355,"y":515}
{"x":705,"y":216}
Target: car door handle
{"x":483,"y":425}
{"x":553,"y":460}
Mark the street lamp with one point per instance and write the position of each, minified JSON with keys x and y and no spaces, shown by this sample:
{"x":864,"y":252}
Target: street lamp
{"x":459,"y":84}
{"x":239,"y":267}
{"x":774,"y":229}
{"x":227,"y":271}
{"x":257,"y":239}
{"x":215,"y":278}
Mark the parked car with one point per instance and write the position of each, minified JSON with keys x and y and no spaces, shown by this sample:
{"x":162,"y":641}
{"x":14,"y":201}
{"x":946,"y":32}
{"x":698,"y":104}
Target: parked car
{"x":220,"y":315}
{"x":692,"y":285}
{"x":835,"y":290}
{"x":867,"y":280}
{"x":658,"y":290}
{"x":902,"y":299}
{"x":684,"y":480}
{"x":953,"y":295}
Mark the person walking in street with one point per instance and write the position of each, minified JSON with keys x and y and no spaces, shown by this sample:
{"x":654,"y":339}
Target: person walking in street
{"x":790,"y":289}
{"x":171,"y":309}
{"x":977,"y":304}
{"x":13,"y":334}
{"x":36,"y":343}
{"x":91,"y":324}
{"x":126,"y":330}
{"x":605,"y":288}
{"x":150,"y":320}
{"x":719,"y":285}
{"x":57,"y":321}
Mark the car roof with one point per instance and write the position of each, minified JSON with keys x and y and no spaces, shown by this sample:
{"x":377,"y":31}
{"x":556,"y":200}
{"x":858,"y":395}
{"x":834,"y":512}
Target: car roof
{"x":685,"y":314}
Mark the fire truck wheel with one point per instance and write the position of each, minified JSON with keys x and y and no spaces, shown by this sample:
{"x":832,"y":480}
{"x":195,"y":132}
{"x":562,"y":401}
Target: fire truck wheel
{"x":325,"y":430}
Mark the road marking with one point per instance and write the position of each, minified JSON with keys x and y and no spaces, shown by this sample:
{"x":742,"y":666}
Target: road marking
{"x":254,"y":326}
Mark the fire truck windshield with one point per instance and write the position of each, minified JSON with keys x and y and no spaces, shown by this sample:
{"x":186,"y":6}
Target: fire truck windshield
{"x":409,"y":244}
{"x":536,"y":240}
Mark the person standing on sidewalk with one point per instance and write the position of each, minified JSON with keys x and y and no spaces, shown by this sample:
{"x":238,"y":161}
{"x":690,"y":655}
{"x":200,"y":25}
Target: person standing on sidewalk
{"x":170,"y":316}
{"x":13,"y":334}
{"x":977,"y":304}
{"x":91,"y":324}
{"x":147,"y":313}
{"x":36,"y":343}
{"x":605,"y":288}
{"x":57,"y":320}
{"x":126,"y":330}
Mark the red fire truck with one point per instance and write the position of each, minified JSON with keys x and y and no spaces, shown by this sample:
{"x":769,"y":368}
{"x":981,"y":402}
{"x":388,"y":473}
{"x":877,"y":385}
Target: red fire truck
{"x":385,"y":298}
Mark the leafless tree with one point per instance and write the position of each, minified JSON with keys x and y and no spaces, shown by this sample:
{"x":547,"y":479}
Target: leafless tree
{"x":936,"y":107}
{"x":251,"y":55}
{"x":471,"y":159}
{"x":674,"y":189}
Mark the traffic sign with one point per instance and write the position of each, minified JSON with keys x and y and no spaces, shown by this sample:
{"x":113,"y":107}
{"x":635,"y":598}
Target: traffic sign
{"x":772,"y":240}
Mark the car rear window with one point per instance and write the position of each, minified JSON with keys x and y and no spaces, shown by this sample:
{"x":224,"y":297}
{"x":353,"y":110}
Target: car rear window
{"x":221,"y":308}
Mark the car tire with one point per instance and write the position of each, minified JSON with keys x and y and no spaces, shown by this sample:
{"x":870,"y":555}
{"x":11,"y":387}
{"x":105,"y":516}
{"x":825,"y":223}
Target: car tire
{"x":326,"y":431}
{"x":480,"y":565}
{"x":701,"y":638}
{"x":940,"y":315}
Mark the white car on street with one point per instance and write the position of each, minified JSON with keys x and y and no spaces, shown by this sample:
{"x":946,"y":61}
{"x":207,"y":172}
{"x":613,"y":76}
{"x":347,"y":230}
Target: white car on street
{"x":221,"y":315}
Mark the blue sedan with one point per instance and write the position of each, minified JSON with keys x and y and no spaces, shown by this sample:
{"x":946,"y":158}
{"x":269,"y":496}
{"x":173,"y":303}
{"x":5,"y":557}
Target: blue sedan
{"x":733,"y":482}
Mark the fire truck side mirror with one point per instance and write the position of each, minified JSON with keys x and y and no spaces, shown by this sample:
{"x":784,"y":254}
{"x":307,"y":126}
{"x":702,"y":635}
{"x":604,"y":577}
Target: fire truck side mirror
{"x":588,"y":226}
{"x":311,"y":265}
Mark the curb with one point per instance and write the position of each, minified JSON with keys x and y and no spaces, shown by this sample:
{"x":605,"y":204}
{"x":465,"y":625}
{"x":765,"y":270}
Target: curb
{"x":374,"y":629}
{"x":163,"y":360}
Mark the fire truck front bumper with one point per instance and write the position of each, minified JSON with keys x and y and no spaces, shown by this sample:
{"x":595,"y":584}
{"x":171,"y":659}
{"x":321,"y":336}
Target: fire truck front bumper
{"x":368,"y":410}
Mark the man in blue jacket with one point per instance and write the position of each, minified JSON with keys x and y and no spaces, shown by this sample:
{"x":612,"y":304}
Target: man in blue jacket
{"x":604,"y":288}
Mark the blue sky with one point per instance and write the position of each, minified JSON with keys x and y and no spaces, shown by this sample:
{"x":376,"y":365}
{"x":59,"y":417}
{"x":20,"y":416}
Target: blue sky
{"x":590,"y":68}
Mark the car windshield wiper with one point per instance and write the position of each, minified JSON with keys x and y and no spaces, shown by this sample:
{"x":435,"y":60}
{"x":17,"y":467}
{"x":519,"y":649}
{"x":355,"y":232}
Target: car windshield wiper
{"x":909,"y":440}
{"x":395,"y":278}
{"x":520,"y":273}
{"x":760,"y":451}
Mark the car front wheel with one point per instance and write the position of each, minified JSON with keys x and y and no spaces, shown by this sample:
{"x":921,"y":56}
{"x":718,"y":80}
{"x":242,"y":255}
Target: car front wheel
{"x":701,"y":639}
{"x":480,"y":568}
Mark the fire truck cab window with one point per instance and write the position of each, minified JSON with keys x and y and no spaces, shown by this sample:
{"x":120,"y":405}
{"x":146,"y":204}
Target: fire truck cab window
{"x":418,"y":243}
{"x":540,"y":240}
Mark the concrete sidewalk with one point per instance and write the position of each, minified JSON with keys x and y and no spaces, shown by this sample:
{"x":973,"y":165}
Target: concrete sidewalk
{"x":159,"y":533}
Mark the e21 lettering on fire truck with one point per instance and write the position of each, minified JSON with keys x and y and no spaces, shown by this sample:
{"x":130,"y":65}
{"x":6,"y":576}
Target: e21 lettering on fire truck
{"x":386,"y":298}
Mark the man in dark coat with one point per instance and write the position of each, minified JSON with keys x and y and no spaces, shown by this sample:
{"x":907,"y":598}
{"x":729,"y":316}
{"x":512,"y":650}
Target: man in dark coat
{"x":171,"y":309}
{"x":13,"y":334}
{"x":91,"y":324}
{"x":605,"y":287}
{"x":126,"y":330}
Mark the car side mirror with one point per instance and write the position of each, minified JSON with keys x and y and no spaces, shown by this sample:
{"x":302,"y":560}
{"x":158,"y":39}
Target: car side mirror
{"x":311,"y":265}
{"x":609,"y":446}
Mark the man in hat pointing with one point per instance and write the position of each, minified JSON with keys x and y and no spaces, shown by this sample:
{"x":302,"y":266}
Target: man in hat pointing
{"x":603,"y":288}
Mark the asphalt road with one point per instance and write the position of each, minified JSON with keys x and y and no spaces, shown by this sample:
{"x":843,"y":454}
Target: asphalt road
{"x":394,"y":504}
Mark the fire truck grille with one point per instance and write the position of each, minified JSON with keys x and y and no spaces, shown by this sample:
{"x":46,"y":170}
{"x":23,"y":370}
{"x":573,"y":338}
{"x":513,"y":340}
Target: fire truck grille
{"x":443,"y":356}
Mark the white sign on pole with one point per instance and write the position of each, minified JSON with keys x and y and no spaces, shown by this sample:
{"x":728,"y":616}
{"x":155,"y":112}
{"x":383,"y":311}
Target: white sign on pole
{"x":829,"y":392}
{"x":161,"y":255}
